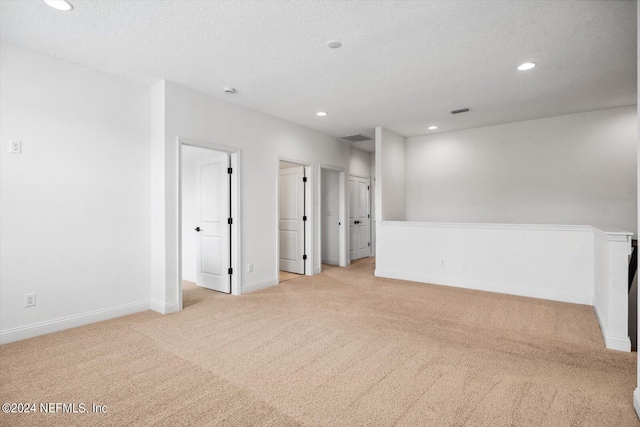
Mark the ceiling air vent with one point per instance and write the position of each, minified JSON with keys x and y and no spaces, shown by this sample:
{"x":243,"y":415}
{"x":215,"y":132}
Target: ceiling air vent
{"x":461,"y":110}
{"x":356,"y":138}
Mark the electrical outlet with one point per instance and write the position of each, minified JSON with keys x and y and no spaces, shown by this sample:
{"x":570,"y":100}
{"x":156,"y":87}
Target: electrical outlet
{"x":29,"y":300}
{"x":443,"y":263}
{"x":15,"y":147}
{"x":250,"y":268}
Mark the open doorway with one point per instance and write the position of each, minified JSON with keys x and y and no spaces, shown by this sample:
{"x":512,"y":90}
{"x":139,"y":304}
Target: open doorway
{"x":333,"y":240}
{"x":206,"y":222}
{"x":294,"y":219}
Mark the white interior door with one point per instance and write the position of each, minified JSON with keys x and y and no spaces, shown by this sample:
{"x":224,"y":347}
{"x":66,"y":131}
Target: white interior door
{"x":292,"y":220}
{"x":213,"y":243}
{"x":359,"y":218}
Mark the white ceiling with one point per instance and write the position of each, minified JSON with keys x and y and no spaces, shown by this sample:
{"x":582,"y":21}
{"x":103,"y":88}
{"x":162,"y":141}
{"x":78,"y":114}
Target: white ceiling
{"x":403,"y":64}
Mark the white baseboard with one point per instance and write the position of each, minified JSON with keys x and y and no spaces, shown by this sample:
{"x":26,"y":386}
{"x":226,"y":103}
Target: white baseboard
{"x":610,"y":341}
{"x":636,"y":401}
{"x":617,"y":343}
{"x":163,"y":308}
{"x":317,"y":270}
{"x":42,"y":328}
{"x":256,"y":286}
{"x":486,"y":286}
{"x":331,"y":261}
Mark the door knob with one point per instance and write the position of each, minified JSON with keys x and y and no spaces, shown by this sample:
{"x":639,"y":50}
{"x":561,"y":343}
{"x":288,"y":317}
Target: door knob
{"x":197,"y":229}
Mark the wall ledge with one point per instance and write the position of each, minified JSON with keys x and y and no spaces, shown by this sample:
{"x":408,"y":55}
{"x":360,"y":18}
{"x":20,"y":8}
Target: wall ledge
{"x":63,"y":323}
{"x":613,"y":234}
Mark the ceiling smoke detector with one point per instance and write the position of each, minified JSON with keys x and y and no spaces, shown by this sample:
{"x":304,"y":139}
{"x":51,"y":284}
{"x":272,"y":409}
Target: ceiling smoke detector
{"x":356,"y":138}
{"x":460,"y":110}
{"x":229,"y":90}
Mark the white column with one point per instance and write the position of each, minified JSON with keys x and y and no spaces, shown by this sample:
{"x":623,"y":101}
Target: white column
{"x":611,"y":293}
{"x":636,"y":393}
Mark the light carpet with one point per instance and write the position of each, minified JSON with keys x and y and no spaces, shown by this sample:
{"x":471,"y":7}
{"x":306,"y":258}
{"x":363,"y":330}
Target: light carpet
{"x":337,"y":349}
{"x":285,"y":275}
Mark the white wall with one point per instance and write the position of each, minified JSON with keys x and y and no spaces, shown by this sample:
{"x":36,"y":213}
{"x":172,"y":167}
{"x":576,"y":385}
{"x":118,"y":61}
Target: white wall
{"x":573,"y":169}
{"x":359,"y":163}
{"x":547,"y":262}
{"x":262,"y":139}
{"x":158,"y":232}
{"x":75,"y":212}
{"x":390,"y":171}
{"x":189,"y":161}
{"x":330,"y":218}
{"x":611,"y":288}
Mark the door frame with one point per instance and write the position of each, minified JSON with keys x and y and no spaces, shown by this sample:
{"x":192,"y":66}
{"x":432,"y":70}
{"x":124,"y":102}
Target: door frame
{"x":308,"y":226}
{"x":236,"y":242}
{"x":343,"y":240}
{"x":370,"y":213}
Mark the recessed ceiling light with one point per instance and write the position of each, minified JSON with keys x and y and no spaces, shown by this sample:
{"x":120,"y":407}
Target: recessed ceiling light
{"x":63,"y":5}
{"x":526,"y":66}
{"x":432,"y":127}
{"x":334,"y":44}
{"x":321,"y":113}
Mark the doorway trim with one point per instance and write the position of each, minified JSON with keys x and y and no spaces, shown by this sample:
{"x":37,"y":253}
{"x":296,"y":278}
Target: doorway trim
{"x":236,"y":212}
{"x":343,"y":241}
{"x":309,"y":224}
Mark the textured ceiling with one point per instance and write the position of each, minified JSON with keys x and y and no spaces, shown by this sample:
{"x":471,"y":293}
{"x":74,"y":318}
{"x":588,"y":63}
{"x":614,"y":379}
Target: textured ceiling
{"x":403,"y":64}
